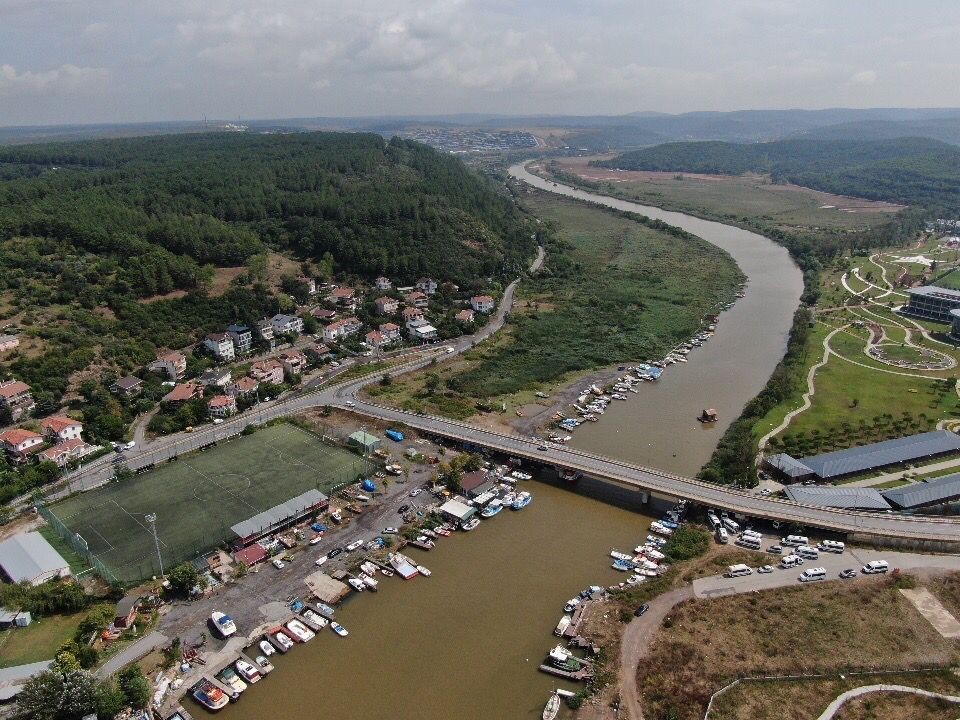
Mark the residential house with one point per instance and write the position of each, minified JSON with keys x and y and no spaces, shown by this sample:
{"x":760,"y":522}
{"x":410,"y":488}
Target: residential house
{"x":62,"y":453}
{"x":411,"y":314}
{"x":267,"y":371}
{"x":465,"y":316}
{"x":294,"y":362}
{"x":173,"y":364}
{"x":221,"y":345}
{"x":183,"y":392}
{"x":482,"y":303}
{"x":215,"y":377}
{"x":15,"y":396}
{"x":344,"y":297}
{"x":126,"y":613}
{"x":222,"y":406}
{"x":127,"y":386}
{"x":324,"y":315}
{"x":375,"y":340}
{"x":417,"y":299}
{"x":8,"y":342}
{"x":284,"y":324}
{"x":390,"y":331}
{"x":20,"y":444}
{"x":475,"y":483}
{"x":242,"y":338}
{"x":386,"y":305}
{"x":243,"y":387}
{"x":341,"y":328}
{"x":422,"y":330}
{"x":450,"y":287}
{"x":310,"y":283}
{"x":427,"y":285}
{"x":382,"y":283}
{"x":265,"y":329}
{"x":318,"y":353}
{"x":60,"y":427}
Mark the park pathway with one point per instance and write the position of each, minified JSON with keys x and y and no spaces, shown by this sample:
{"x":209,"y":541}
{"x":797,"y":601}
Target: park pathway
{"x":866,"y":689}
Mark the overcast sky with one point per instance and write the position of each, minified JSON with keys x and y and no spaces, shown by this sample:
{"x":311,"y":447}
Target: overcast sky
{"x":64,"y":61}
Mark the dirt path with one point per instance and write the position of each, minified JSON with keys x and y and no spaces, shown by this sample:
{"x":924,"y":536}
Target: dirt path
{"x":864,"y":690}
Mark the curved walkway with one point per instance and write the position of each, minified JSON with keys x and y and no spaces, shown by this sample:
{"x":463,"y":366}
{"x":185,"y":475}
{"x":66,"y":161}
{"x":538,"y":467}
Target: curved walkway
{"x":866,"y":689}
{"x":811,"y":389}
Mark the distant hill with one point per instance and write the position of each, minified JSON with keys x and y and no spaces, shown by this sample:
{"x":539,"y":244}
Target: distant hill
{"x":944,"y":129}
{"x":912,"y":171}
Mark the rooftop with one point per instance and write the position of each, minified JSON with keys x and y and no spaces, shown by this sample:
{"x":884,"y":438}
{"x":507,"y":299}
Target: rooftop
{"x":15,"y":436}
{"x":28,"y":556}
{"x":930,"y":492}
{"x":888,"y":452}
{"x":262,"y":522}
{"x":14,"y":387}
{"x":848,"y":498}
{"x":129,"y":382}
{"x":935,"y":291}
{"x":789,"y":466}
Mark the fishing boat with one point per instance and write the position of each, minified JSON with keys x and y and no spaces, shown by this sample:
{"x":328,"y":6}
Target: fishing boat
{"x":470,"y":524}
{"x":368,"y":567}
{"x":521,"y":475}
{"x":617,"y":555}
{"x":247,"y":671}
{"x":283,"y":640}
{"x":320,"y":622}
{"x":656,"y":541}
{"x":325,"y":609}
{"x":523,"y":499}
{"x":300,"y":631}
{"x":508,"y":499}
{"x":562,"y":626}
{"x":425,"y":541}
{"x":572,"y":604}
{"x":492,"y":509}
{"x":265,"y":665}
{"x":370,"y":582}
{"x":552,"y":707}
{"x":224,"y":624}
{"x":266,"y":648}
{"x":209,"y":695}
{"x":659,"y":528}
{"x":356,"y":584}
{"x":339,"y":629}
{"x":230,"y":678}
{"x":623,"y":565}
{"x":402,"y":564}
{"x":423,"y":570}
{"x":562,"y":658}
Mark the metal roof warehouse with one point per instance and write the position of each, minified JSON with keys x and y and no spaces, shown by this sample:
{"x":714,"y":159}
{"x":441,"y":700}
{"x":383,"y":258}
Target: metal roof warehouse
{"x":29,"y":557}
{"x":938,"y":491}
{"x":279,"y":516}
{"x":881,"y":454}
{"x":838,"y":497}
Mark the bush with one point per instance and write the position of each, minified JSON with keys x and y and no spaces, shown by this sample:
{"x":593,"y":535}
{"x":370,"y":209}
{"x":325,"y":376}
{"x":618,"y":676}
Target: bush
{"x":687,"y":543}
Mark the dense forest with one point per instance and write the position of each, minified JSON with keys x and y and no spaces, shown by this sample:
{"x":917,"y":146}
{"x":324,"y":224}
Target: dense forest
{"x":913,"y":171}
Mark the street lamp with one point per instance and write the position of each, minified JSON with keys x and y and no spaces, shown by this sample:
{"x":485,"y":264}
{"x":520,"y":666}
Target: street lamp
{"x":152,"y":519}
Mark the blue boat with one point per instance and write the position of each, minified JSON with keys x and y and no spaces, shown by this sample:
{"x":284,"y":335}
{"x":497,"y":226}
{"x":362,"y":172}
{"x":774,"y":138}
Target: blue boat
{"x":523,"y":499}
{"x":624,"y":565}
{"x":492,"y":509}
{"x":369,"y":485}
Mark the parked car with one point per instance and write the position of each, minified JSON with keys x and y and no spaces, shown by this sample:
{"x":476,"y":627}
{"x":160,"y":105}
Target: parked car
{"x":390,"y":530}
{"x":764,"y":569}
{"x":641,"y":610}
{"x":321,"y":560}
{"x":415,"y":492}
{"x":402,"y":509}
{"x":278,"y":563}
{"x":349,"y":403}
{"x":848,"y":573}
{"x":336,"y":551}
{"x":775,"y":549}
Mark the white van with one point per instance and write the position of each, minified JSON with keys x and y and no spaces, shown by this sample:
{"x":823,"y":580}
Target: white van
{"x":713,"y":520}
{"x":739,"y":571}
{"x":794,"y":540}
{"x":722,"y":536}
{"x":875,"y":566}
{"x":790,"y":561}
{"x":811,"y":574}
{"x":752,"y":533}
{"x":749,"y":542}
{"x":731,"y":525}
{"x":807,"y":552}
{"x":834,"y":546}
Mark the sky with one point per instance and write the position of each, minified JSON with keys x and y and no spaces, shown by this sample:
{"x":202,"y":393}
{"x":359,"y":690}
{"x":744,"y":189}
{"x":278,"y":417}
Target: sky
{"x":83,"y":61}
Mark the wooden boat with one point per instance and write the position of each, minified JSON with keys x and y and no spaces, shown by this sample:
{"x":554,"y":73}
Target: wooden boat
{"x":708,"y":416}
{"x":552,"y":707}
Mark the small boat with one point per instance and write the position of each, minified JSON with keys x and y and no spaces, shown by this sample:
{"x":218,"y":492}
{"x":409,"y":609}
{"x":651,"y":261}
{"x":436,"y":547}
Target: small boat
{"x":266,"y":648}
{"x":521,"y":475}
{"x":368,"y":567}
{"x":325,"y":609}
{"x":247,"y":671}
{"x":552,"y":707}
{"x":562,"y":626}
{"x":224,"y":624}
{"x":209,"y":695}
{"x":617,"y":555}
{"x":265,"y":665}
{"x":659,"y":528}
{"x":708,"y":416}
{"x":425,"y":541}
{"x":386,"y":573}
{"x":623,"y":565}
{"x":283,"y":640}
{"x":429,"y":533}
{"x":470,"y":524}
{"x":356,"y":584}
{"x":320,"y":622}
{"x":492,"y":509}
{"x":339,"y":629}
{"x":652,"y":553}
{"x":230,"y":678}
{"x":424,"y":571}
{"x":300,"y":631}
{"x":403,"y":566}
{"x":370,"y":582}
{"x":656,"y":541}
{"x":523,"y":499}
{"x":508,"y":499}
{"x":442,"y":531}
{"x":572,"y":604}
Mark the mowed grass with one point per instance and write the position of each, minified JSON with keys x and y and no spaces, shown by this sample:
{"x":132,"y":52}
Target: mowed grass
{"x":830,"y":627}
{"x":38,"y":641}
{"x":200,"y":496}
{"x":808,"y":698}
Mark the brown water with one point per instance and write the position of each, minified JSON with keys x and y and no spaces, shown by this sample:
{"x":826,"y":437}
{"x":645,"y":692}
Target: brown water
{"x":658,"y":426}
{"x":466,"y":642}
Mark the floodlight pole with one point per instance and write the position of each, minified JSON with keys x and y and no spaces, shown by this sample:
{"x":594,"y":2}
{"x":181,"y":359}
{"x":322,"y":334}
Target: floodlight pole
{"x":152,"y":519}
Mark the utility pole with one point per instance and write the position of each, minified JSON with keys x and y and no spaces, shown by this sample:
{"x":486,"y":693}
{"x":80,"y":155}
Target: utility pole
{"x":152,"y":519}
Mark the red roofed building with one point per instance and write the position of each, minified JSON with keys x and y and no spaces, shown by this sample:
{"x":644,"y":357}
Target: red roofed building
{"x":417,"y":299}
{"x":173,"y":364}
{"x":323,"y":314}
{"x":250,"y":555}
{"x":222,"y":406}
{"x":15,"y":396}
{"x":294,"y":362}
{"x":344,"y":297}
{"x":20,"y":443}
{"x":62,"y":428}
{"x":412,"y":313}
{"x":243,"y":387}
{"x":375,"y":339}
{"x":465,"y":316}
{"x":386,"y":305}
{"x":482,"y":303}
{"x":184,"y":392}
{"x":267,"y":371}
{"x":391,"y":331}
{"x":62,"y":453}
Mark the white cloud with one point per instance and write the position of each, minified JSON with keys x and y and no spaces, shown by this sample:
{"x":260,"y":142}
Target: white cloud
{"x":864,"y":77}
{"x":66,"y":78}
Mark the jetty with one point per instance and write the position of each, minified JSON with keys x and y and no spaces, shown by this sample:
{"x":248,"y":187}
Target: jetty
{"x":584,"y":673}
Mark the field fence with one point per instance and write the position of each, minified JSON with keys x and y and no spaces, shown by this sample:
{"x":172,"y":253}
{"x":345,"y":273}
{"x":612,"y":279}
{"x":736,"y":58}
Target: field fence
{"x":76,"y":541}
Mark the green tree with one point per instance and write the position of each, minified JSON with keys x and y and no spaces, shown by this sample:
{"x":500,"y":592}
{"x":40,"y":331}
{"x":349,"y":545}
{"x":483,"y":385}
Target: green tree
{"x":183,"y":579}
{"x":110,"y":699}
{"x":135,"y":686}
{"x":58,"y":694}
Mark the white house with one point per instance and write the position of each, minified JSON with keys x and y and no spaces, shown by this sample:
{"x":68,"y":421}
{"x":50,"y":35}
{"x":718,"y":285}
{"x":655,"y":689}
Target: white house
{"x":265,"y":328}
{"x":221,"y":345}
{"x":482,"y":303}
{"x":422,"y":330}
{"x":341,"y":328}
{"x":242,"y":338}
{"x":222,"y":406}
{"x":390,"y":331}
{"x":427,"y":285}
{"x":61,"y":427}
{"x":267,"y":371}
{"x":283,"y":324}
{"x":20,"y":443}
{"x":382,"y":283}
{"x":386,"y":305}
{"x":173,"y":364}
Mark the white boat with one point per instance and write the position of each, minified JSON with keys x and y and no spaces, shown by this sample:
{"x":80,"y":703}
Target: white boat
{"x":508,"y":498}
{"x":369,"y":581}
{"x":403,"y":566}
{"x":231,"y":680}
{"x":339,"y":629}
{"x":283,"y":640}
{"x":562,"y":626}
{"x":265,"y":665}
{"x":617,"y":555}
{"x":320,"y":622}
{"x":559,"y":655}
{"x":492,"y":509}
{"x":386,"y":573}
{"x":572,"y":604}
{"x":247,"y":671}
{"x":660,"y":529}
{"x":523,"y":499}
{"x":424,"y":571}
{"x":300,"y":631}
{"x":653,"y":553}
{"x":470,"y":524}
{"x":266,"y":648}
{"x":552,"y":707}
{"x":521,"y":475}
{"x":357,"y":584}
{"x":224,"y":624}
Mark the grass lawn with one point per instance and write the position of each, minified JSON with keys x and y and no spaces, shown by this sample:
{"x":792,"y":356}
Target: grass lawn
{"x":830,"y":627}
{"x":77,"y":563}
{"x":946,"y":588}
{"x":614,"y":290}
{"x":198,"y":497}
{"x":39,"y":641}
{"x":891,"y":484}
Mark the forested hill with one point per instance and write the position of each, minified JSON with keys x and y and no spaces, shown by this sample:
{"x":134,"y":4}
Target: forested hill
{"x":912,"y":171}
{"x":168,"y":205}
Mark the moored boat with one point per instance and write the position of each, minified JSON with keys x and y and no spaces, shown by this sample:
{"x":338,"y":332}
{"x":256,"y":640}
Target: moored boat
{"x":356,"y":584}
{"x":231,"y":680}
{"x":320,"y":622}
{"x":247,"y":671}
{"x":265,"y":665}
{"x":370,"y":582}
{"x":492,"y":509}
{"x":552,"y":707}
{"x":523,"y":499}
{"x":209,"y":695}
{"x":562,"y":626}
{"x":283,"y":640}
{"x":266,"y":648}
{"x":572,"y":604}
{"x":325,"y":609}
{"x":423,"y":570}
{"x":300,"y":631}
{"x":470,"y":524}
{"x":617,"y":555}
{"x":339,"y":629}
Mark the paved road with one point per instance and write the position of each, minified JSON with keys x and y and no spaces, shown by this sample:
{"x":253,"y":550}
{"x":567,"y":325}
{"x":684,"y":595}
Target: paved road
{"x":835,"y":706}
{"x":141,"y":648}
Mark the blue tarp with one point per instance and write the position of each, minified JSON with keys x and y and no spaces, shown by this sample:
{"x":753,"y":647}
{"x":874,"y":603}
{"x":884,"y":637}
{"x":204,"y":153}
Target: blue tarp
{"x":394,"y":435}
{"x":655,"y":372}
{"x":369,"y":485}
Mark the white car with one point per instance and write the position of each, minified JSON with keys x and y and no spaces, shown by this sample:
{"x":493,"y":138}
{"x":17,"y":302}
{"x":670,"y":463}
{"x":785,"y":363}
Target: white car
{"x":349,"y":403}
{"x":389,"y":531}
{"x":415,"y":492}
{"x":130,"y":445}
{"x":367,"y":353}
{"x":218,"y":421}
{"x":764,"y":569}
{"x":278,"y":564}
{"x":321,"y":560}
